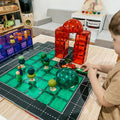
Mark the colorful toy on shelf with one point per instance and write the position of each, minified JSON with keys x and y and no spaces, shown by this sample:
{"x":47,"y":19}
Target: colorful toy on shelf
{"x":12,"y":41}
{"x":52,"y":84}
{"x":9,"y":23}
{"x":66,"y":78}
{"x":17,"y":44}
{"x":18,"y":76}
{"x":20,"y":37}
{"x":25,"y":34}
{"x":82,"y":40}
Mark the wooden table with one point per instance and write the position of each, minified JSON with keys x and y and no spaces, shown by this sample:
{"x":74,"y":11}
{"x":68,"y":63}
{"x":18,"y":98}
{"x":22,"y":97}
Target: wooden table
{"x":96,"y":55}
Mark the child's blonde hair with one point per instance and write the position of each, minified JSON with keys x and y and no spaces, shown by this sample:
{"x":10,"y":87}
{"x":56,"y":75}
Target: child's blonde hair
{"x":114,"y":25}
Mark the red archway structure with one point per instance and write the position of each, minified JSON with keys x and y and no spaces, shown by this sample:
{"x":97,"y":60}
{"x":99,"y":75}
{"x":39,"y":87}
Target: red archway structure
{"x":82,"y":40}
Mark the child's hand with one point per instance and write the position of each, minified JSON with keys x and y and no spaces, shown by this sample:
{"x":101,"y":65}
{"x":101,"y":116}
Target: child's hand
{"x":92,"y":73}
{"x":86,"y":66}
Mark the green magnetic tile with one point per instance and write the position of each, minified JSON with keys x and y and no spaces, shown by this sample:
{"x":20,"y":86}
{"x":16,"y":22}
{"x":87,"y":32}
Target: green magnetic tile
{"x":36,"y":58}
{"x":53,"y":63}
{"x":23,"y":87}
{"x":13,"y":83}
{"x":27,"y":79}
{"x":45,"y":98}
{"x":50,"y":56}
{"x":54,"y":70}
{"x":58,"y":104}
{"x":33,"y":92}
{"x":42,"y":84}
{"x":53,"y":92}
{"x":5,"y":78}
{"x":40,"y":73}
{"x":48,"y":77}
{"x":74,"y":88}
{"x":40,"y":53}
{"x":13,"y":72}
{"x":29,"y":62}
{"x":65,"y":94}
{"x":37,"y":64}
{"x":80,"y":79}
{"x":52,"y":52}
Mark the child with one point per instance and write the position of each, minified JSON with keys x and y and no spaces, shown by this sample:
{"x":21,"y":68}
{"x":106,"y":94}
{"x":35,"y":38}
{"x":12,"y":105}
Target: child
{"x":108,"y":95}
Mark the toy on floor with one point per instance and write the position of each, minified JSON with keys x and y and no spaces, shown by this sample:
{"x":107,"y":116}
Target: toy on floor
{"x":52,"y":84}
{"x":22,"y":61}
{"x":43,"y":56}
{"x":46,"y":63}
{"x":12,"y":41}
{"x":66,"y":78}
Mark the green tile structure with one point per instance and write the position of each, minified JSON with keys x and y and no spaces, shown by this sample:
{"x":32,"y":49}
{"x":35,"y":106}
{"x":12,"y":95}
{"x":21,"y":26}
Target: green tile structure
{"x":41,"y":91}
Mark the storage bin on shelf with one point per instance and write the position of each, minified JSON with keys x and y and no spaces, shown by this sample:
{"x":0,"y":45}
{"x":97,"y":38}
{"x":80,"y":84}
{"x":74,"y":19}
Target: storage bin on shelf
{"x":22,"y":38}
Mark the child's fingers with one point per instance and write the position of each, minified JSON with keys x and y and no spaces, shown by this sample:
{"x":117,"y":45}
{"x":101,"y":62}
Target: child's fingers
{"x":86,"y":69}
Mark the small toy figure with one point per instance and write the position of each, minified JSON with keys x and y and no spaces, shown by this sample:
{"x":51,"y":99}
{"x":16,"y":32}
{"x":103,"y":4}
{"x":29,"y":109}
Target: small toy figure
{"x":20,"y":70}
{"x":25,"y":34}
{"x":43,"y":56}
{"x":46,"y":63}
{"x":31,"y":75}
{"x":18,"y":77}
{"x":52,"y":84}
{"x":20,"y":37}
{"x":22,"y":61}
{"x":12,"y":41}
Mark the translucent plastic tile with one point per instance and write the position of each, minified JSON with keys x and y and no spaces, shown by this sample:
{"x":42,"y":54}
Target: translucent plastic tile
{"x":45,"y":98}
{"x":53,"y":92}
{"x":5,"y":78}
{"x":13,"y":72}
{"x":65,"y":94}
{"x":37,"y":65}
{"x":52,"y":52}
{"x":23,"y":87}
{"x":33,"y":92}
{"x":48,"y":77}
{"x":36,"y":58}
{"x":40,"y":53}
{"x":54,"y":70}
{"x":50,"y":56}
{"x":80,"y":79}
{"x":42,"y":84}
{"x":53,"y":63}
{"x":29,"y":62}
{"x":13,"y":83}
{"x":40,"y":73}
{"x":58,"y":104}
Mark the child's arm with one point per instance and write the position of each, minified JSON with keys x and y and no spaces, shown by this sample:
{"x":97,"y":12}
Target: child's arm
{"x":102,"y":68}
{"x":97,"y":88}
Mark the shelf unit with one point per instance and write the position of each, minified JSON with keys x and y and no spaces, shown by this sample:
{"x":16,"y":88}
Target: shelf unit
{"x":14,"y":13}
{"x":90,"y":21}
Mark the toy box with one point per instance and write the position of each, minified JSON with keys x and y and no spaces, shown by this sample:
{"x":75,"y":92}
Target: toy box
{"x":14,"y":43}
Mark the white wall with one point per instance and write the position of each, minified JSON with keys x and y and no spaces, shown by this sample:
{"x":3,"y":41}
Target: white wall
{"x":40,"y":6}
